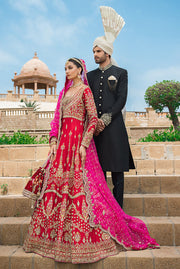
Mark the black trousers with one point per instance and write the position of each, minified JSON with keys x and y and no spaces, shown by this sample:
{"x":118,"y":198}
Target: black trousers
{"x":118,"y":183}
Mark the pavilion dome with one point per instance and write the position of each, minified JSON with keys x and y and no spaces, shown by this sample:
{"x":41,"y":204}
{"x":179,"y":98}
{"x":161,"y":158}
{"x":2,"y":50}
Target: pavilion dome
{"x":35,"y":65}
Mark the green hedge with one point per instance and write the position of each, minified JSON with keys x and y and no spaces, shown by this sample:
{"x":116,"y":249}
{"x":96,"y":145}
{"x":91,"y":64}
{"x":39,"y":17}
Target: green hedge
{"x":161,"y":136}
{"x":22,"y":138}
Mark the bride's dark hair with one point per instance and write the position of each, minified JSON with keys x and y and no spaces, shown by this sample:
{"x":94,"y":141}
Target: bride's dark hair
{"x":77,"y":62}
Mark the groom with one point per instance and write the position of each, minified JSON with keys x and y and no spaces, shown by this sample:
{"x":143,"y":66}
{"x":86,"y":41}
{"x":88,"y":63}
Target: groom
{"x":109,"y":86}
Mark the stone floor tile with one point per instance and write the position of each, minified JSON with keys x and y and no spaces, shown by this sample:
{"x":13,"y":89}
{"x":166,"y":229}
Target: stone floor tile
{"x":131,"y":184}
{"x":174,"y":205}
{"x":155,"y":205}
{"x":15,"y":184}
{"x":145,"y":167}
{"x":166,"y":258}
{"x":170,"y":184}
{"x":7,"y":206}
{"x":60,"y":265}
{"x":5,"y":254}
{"x":150,"y":184}
{"x":176,"y":222}
{"x":23,"y":206}
{"x":43,"y":262}
{"x":21,"y":260}
{"x":24,"y":229}
{"x":133,"y":204}
{"x":117,"y":261}
{"x":140,"y":259}
{"x":94,"y":265}
{"x":11,"y":230}
{"x":161,"y":229}
{"x":164,"y":167}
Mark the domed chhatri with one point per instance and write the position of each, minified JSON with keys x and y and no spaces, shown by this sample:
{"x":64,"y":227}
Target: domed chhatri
{"x":35,"y":75}
{"x":35,"y":65}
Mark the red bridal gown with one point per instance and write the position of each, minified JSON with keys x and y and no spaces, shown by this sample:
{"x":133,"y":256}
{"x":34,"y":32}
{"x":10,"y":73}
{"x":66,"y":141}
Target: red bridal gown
{"x":60,"y":227}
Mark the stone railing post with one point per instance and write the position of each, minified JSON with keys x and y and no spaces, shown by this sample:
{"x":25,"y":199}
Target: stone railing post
{"x":36,"y":95}
{"x":9,"y":96}
{"x":152,"y":116}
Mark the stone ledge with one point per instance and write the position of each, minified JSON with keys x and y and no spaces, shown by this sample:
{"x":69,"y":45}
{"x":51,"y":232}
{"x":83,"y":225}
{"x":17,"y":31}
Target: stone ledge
{"x":22,"y":168}
{"x":166,"y":230}
{"x":145,"y":184}
{"x":134,"y":205}
{"x":164,"y":258}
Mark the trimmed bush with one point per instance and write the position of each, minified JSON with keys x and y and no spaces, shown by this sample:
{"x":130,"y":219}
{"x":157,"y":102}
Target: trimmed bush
{"x":161,"y":136}
{"x":22,"y":138}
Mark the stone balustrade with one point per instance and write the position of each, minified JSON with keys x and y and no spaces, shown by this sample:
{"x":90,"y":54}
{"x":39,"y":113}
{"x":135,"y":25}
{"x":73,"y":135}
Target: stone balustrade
{"x":10,"y":96}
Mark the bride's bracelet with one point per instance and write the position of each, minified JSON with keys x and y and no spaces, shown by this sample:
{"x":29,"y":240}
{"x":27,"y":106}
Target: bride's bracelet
{"x":53,"y":141}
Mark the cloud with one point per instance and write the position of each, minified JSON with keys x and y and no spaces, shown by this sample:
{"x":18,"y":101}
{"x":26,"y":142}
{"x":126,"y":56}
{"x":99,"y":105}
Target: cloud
{"x":160,"y":74}
{"x":26,"y":7}
{"x":39,"y":31}
{"x":7,"y":58}
{"x":60,"y":5}
{"x":43,"y":29}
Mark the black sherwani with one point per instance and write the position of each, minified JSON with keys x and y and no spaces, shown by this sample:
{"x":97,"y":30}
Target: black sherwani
{"x":112,"y":144}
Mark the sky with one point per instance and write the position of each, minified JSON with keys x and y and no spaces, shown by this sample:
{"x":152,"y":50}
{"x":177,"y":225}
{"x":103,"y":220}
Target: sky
{"x":148,"y":46}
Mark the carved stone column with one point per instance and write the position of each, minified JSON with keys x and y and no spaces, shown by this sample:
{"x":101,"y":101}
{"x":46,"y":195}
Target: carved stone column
{"x":23,"y":89}
{"x":35,"y":86}
{"x":47,"y":89}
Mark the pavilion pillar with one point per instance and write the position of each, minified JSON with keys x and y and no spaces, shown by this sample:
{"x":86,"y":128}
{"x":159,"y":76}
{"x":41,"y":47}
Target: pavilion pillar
{"x":14,"y":89}
{"x":47,"y":89}
{"x":23,"y":89}
{"x":35,"y":86}
{"x":55,"y":90}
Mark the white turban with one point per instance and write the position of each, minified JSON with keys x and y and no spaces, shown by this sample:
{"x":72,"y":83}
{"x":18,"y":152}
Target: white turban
{"x":112,"y":23}
{"x":103,"y":44}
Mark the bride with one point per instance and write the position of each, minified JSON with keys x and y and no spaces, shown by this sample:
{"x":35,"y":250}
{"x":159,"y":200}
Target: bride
{"x":78,"y":220}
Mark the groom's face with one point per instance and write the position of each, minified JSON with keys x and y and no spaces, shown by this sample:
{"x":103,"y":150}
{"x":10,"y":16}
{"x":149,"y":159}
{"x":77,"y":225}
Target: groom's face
{"x":99,"y":55}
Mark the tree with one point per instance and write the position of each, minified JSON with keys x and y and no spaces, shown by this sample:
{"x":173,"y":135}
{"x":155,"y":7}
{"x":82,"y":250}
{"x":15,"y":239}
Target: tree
{"x":165,"y":94}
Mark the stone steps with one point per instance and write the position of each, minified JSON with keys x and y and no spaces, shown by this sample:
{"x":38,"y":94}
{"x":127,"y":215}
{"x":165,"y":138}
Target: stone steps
{"x":166,"y":230}
{"x":21,"y":167}
{"x":153,"y":198}
{"x":134,"y":205}
{"x":13,"y":257}
{"x":133,"y":184}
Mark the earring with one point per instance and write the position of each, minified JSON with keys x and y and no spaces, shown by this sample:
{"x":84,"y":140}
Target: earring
{"x":79,"y":75}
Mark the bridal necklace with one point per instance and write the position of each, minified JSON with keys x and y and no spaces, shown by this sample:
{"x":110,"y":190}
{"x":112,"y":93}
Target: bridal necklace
{"x":77,"y":84}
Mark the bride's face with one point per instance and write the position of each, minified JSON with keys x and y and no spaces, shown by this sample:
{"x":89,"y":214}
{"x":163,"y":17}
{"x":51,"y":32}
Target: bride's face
{"x":72,"y":71}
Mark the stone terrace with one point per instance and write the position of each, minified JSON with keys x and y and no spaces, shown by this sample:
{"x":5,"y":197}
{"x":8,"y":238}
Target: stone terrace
{"x":152,"y":192}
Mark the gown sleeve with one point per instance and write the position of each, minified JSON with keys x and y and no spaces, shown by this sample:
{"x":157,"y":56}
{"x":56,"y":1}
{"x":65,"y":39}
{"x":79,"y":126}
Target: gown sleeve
{"x":91,"y":113}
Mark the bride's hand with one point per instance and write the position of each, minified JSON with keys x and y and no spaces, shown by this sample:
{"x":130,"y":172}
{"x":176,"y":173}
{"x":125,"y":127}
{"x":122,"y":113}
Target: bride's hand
{"x":52,"y":151}
{"x":82,"y":152}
